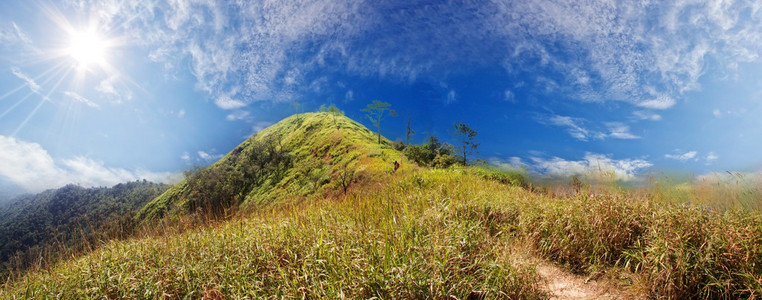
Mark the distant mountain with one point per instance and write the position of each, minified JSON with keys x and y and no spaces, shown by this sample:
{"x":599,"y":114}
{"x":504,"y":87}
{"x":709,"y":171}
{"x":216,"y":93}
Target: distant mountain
{"x":303,"y":155}
{"x":8,"y":191}
{"x":67,"y":218}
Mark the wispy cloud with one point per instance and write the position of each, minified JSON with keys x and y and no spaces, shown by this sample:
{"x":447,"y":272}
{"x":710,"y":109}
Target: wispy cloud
{"x":606,"y":50}
{"x":209,"y":157}
{"x":660,"y":102}
{"x":79,"y":98}
{"x":33,"y":86}
{"x":451,"y":97}
{"x":678,"y":155}
{"x":349,"y":96}
{"x":114,"y":89}
{"x":225,"y":102}
{"x":710,"y":158}
{"x":238,"y":115}
{"x":575,"y":128}
{"x":12,"y":34}
{"x":30,"y":166}
{"x":509,"y":96}
{"x":645,"y":115}
{"x":619,"y":131}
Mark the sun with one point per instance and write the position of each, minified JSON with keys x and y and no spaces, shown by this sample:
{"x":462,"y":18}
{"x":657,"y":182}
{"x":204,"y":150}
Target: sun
{"x":87,"y":48}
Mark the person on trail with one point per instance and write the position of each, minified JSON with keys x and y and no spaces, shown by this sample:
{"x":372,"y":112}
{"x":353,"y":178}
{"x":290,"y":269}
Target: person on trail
{"x":396,"y":166}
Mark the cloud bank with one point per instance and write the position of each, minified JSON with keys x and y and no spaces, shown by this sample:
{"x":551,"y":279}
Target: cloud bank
{"x":29,"y":166}
{"x":591,"y":165}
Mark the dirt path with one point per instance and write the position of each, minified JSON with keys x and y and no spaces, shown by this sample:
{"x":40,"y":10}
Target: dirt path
{"x":564,"y":285}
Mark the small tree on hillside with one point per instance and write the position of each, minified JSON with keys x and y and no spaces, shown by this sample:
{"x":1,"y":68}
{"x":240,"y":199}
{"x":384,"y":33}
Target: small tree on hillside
{"x":296,"y":106}
{"x":334,"y":111}
{"x":465,"y":136}
{"x":375,"y":112}
{"x":409,"y":132}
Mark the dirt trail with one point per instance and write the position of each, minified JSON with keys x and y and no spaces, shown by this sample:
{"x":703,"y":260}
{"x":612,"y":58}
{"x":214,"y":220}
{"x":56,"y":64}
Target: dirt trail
{"x":564,"y":285}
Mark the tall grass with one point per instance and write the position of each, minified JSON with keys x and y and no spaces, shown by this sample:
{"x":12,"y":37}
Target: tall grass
{"x":399,"y":238}
{"x":427,"y":234}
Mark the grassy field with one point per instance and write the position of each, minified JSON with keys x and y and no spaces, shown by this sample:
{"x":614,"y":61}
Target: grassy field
{"x":420,"y":233}
{"x":425,"y":233}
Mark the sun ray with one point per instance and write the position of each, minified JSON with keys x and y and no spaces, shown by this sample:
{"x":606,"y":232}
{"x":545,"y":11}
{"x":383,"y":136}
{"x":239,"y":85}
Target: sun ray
{"x":42,"y":101}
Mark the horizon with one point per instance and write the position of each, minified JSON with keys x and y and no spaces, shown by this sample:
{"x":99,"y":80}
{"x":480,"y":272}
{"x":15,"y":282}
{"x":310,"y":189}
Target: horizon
{"x":97,"y":93}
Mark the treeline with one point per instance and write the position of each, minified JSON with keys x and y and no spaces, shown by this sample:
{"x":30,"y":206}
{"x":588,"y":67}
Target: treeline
{"x":37,"y":228}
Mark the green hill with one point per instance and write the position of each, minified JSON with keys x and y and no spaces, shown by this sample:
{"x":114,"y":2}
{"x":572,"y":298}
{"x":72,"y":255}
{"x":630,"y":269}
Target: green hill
{"x":302,"y":155}
{"x":71,"y":217}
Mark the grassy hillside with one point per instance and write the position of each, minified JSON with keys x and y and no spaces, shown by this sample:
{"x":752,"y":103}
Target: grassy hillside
{"x":418,"y":233}
{"x":302,"y":155}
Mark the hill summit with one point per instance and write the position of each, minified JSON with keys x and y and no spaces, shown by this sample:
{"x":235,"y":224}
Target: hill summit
{"x":302,"y":155}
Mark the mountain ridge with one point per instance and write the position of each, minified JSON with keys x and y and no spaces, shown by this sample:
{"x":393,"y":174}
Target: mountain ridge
{"x":301,"y":156}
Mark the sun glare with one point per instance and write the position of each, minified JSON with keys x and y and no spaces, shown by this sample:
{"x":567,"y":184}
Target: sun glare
{"x":87,"y":48}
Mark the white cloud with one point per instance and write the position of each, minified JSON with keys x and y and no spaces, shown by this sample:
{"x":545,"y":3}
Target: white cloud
{"x":13,"y":35}
{"x":592,"y":165}
{"x":451,"y":97}
{"x":509,"y":96}
{"x":115,"y":89}
{"x":717,"y":113}
{"x":660,"y":102}
{"x":238,"y":115}
{"x":29,"y":81}
{"x":81,"y":99}
{"x":682,"y":156}
{"x":644,"y":115}
{"x":225,"y":102}
{"x":620,"y":131}
{"x":573,"y":126}
{"x":710,"y":157}
{"x":30,"y":166}
{"x":209,"y":157}
{"x":512,"y":163}
{"x":186,"y":157}
{"x":349,"y":96}
{"x":181,"y":113}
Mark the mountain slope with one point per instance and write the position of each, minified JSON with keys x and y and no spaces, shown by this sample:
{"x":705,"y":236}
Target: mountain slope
{"x":31,"y":224}
{"x":302,"y":155}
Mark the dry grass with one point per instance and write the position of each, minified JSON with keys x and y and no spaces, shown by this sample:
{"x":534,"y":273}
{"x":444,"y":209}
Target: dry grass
{"x":425,"y":234}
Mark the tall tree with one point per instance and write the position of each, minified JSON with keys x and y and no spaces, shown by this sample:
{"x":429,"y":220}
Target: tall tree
{"x":465,"y":136}
{"x":408,"y":133}
{"x":375,"y":112}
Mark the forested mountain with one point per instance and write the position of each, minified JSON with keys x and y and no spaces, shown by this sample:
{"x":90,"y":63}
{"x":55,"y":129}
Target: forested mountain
{"x":68,"y":218}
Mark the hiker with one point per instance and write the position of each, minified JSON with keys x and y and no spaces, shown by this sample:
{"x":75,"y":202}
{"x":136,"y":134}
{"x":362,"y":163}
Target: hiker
{"x":396,"y":166}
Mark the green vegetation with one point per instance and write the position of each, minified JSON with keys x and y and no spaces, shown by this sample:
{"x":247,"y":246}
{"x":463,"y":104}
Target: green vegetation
{"x":59,"y":222}
{"x":465,"y":136}
{"x":419,"y":235}
{"x":325,"y":218}
{"x":431,"y":154}
{"x":297,"y":157}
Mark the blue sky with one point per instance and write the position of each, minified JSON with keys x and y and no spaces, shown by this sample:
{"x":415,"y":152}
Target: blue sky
{"x":99,"y":92}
